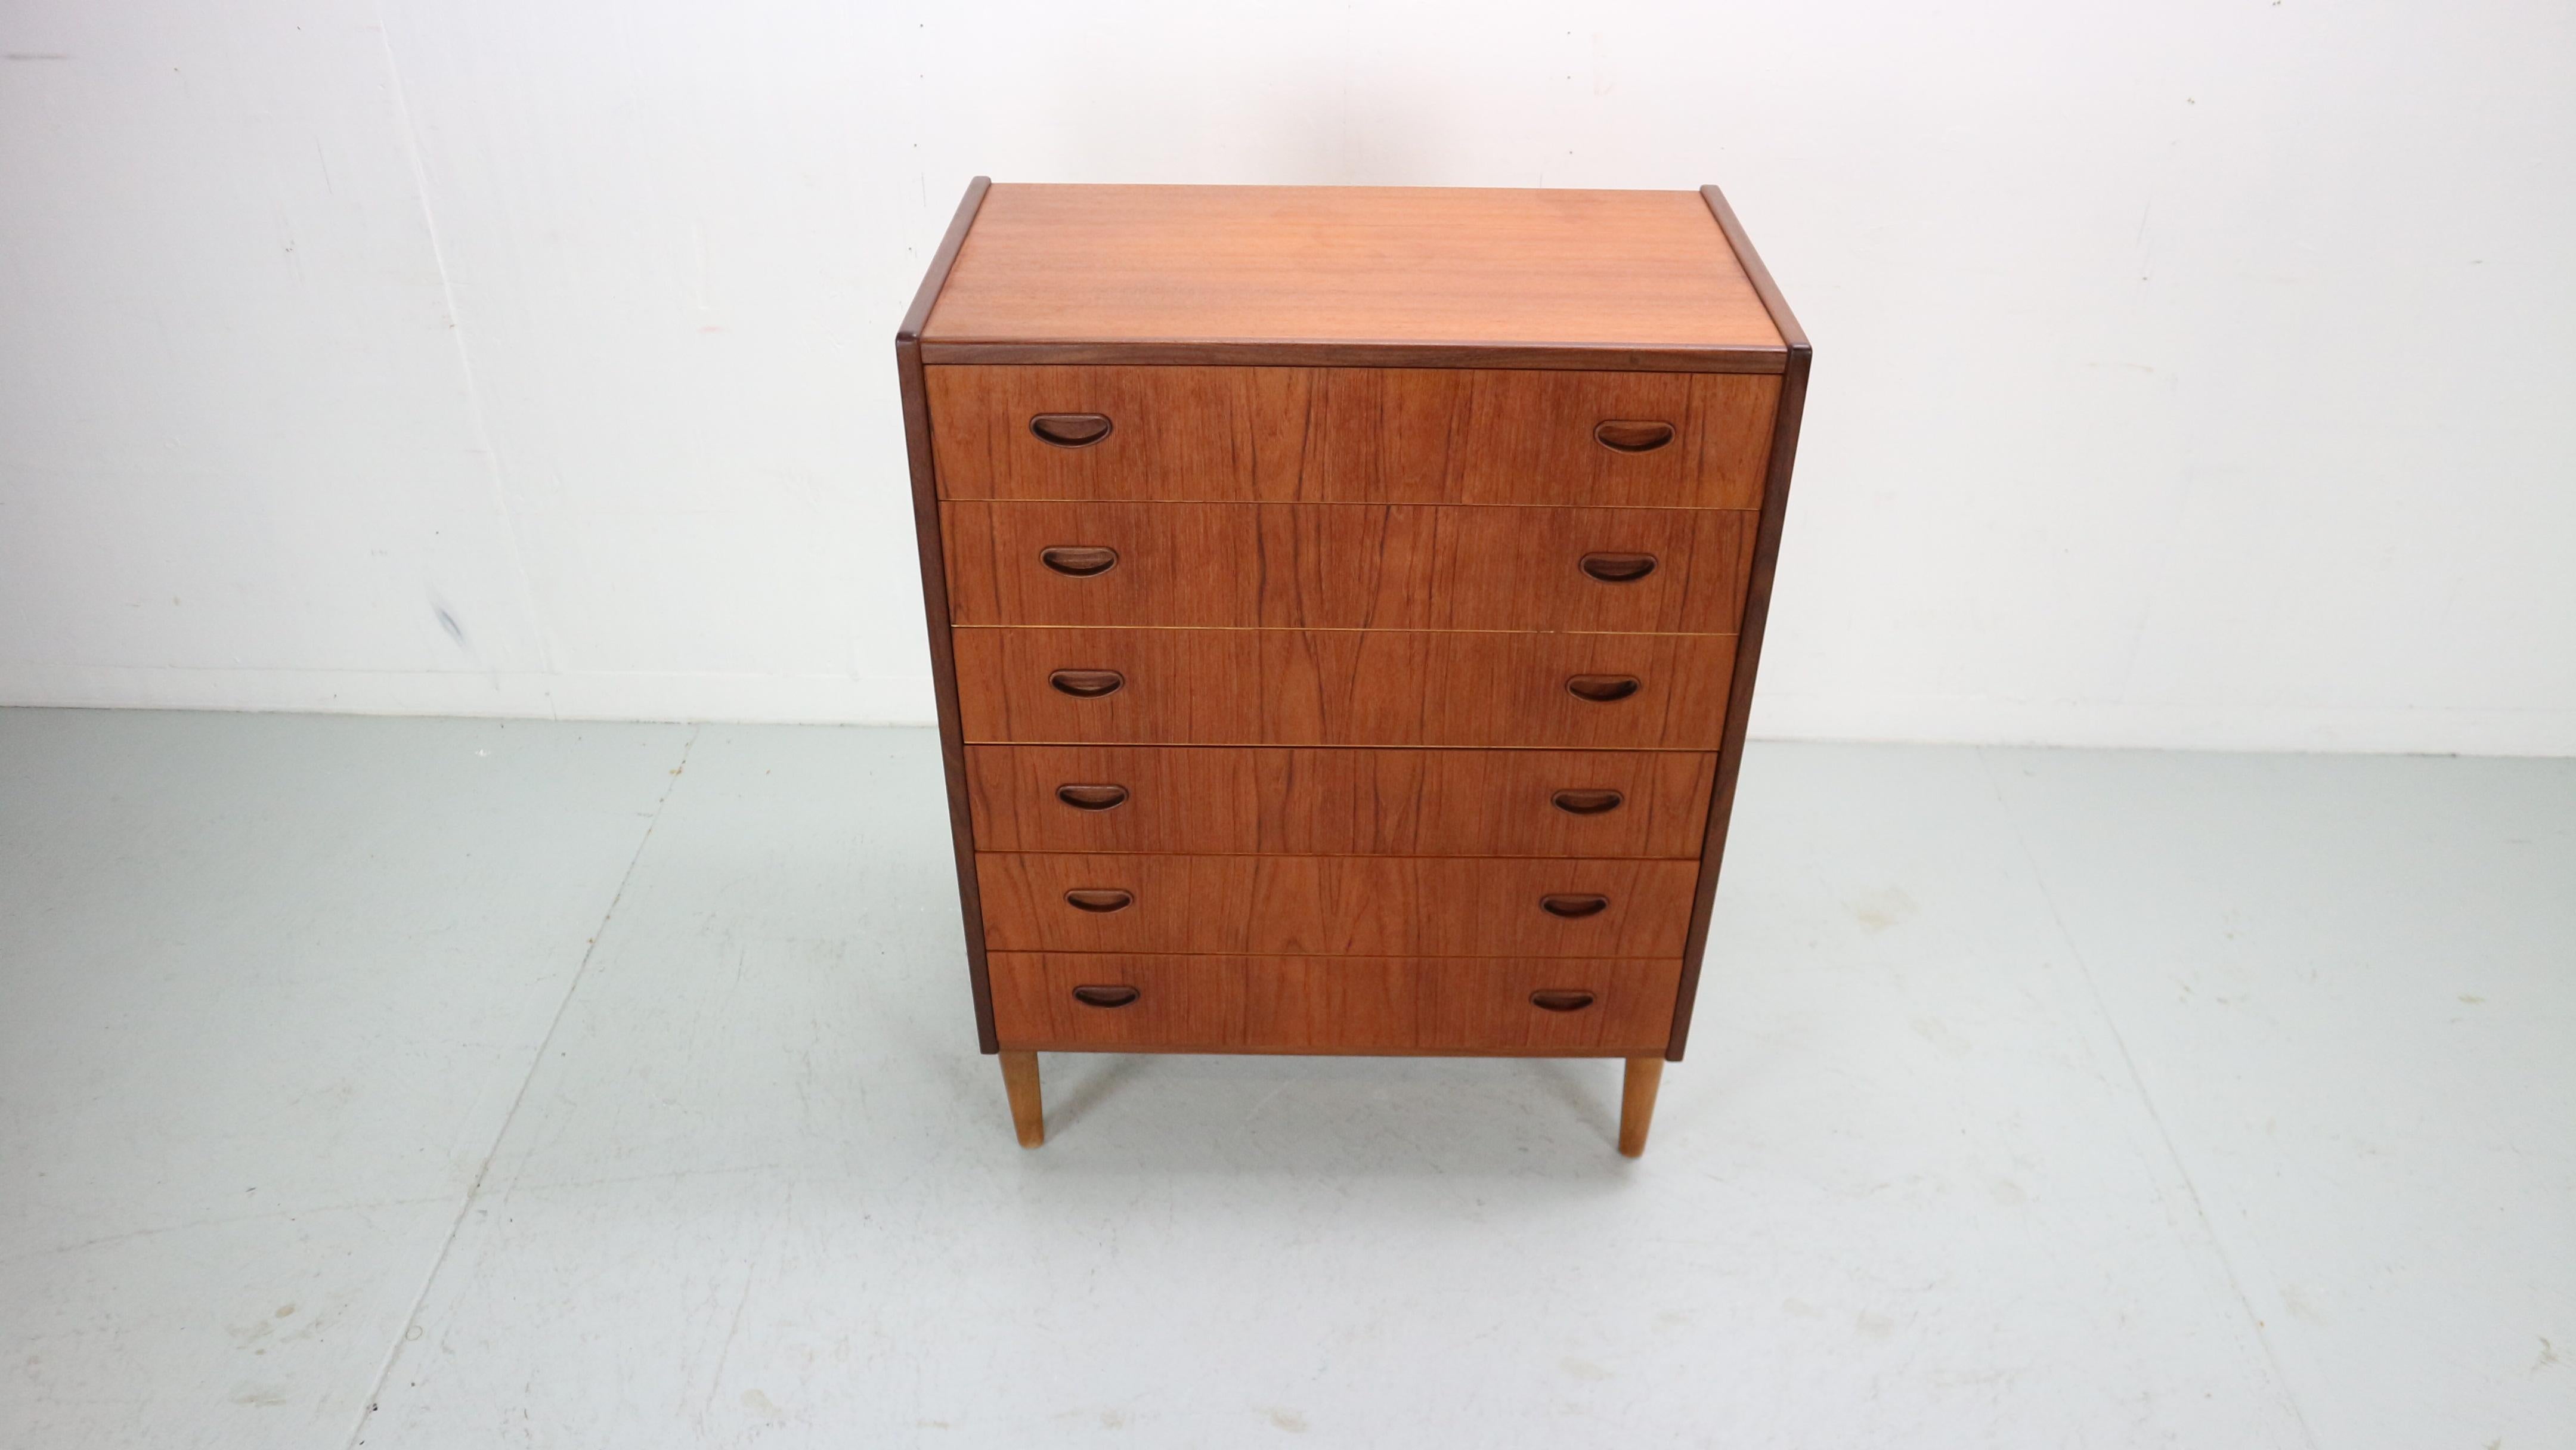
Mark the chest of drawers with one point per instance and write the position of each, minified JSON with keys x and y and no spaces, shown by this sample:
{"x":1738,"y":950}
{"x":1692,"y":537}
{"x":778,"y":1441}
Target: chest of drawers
{"x":1344,"y":605}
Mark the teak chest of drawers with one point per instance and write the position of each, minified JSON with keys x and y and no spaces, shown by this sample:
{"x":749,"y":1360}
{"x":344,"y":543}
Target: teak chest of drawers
{"x":1344,"y":605}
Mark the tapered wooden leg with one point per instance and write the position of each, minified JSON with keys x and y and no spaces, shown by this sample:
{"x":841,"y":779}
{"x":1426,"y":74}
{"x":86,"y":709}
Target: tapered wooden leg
{"x":1636,"y":1105}
{"x":1028,"y":1107}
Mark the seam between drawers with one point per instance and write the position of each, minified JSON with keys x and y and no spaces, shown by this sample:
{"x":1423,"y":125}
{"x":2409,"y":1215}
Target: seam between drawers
{"x":1323,"y":855}
{"x":1335,"y":503}
{"x":1340,"y":745}
{"x":1377,"y":629}
{"x":1674,"y":956}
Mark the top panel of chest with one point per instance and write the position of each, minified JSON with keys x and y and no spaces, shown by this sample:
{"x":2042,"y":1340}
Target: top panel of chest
{"x":1350,"y":276}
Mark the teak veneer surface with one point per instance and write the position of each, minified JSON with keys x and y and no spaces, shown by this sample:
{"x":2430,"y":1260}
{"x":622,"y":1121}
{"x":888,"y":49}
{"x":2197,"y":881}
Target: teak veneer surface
{"x":1350,"y":448}
{"x":1333,"y":1004}
{"x":1213,"y":800}
{"x":1348,"y":566}
{"x":1433,"y":906}
{"x":1144,"y":265}
{"x":1353,"y":435}
{"x":1342,"y":687}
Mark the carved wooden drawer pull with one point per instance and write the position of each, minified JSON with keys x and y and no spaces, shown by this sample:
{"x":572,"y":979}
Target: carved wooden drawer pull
{"x":1633,"y":436}
{"x":1121,"y":996}
{"x":1587,"y":802}
{"x":1618,"y":568}
{"x":1574,"y":905}
{"x":1560,"y":999}
{"x":1083,"y":561}
{"x":1087,"y":684}
{"x":1091,"y":797}
{"x":1081,"y":430}
{"x":1099,"y":899}
{"x":1601,"y":689}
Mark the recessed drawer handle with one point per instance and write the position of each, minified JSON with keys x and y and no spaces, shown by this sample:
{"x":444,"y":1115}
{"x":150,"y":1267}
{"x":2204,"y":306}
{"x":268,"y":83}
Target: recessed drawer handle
{"x":1600,"y":688}
{"x":1097,"y":899}
{"x":1618,"y":568}
{"x":1560,"y":999}
{"x":1571,"y":906}
{"x":1081,"y":430}
{"x":1633,"y":436}
{"x":1587,"y":802}
{"x":1083,"y":561}
{"x":1091,"y":684}
{"x":1091,"y":797}
{"x":1121,"y":996}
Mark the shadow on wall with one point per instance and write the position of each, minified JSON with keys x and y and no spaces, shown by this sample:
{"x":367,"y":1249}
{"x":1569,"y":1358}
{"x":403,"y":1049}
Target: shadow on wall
{"x":1289,"y":133}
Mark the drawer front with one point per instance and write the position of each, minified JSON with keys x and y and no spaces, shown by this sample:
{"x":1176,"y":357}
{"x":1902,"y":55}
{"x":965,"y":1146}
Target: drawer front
{"x":1355,"y":905}
{"x":1342,"y":687}
{"x":1347,"y":566}
{"x":1334,"y":1004}
{"x":1352,"y":435}
{"x":1214,"y":800}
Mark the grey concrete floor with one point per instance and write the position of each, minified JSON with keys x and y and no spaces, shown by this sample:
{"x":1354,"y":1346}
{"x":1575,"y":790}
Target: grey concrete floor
{"x":466,"y":1083}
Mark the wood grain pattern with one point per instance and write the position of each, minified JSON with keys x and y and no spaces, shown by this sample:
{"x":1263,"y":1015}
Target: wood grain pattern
{"x":1353,"y":435}
{"x":1757,"y":604}
{"x":1212,"y":800}
{"x":1333,"y":1004}
{"x":1559,"y":357}
{"x":1365,"y":483}
{"x":1364,"y":905}
{"x":1346,"y":687}
{"x":1028,"y":1099}
{"x":1347,"y":566}
{"x":1594,"y":272}
{"x":934,"y":592}
{"x":1637,"y":1103}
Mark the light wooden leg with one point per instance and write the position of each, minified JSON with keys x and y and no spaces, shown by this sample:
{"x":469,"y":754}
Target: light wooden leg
{"x":1637,"y":1104}
{"x":1028,"y":1107}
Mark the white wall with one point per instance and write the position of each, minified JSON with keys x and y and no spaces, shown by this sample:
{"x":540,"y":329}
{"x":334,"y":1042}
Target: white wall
{"x":2194,"y":376}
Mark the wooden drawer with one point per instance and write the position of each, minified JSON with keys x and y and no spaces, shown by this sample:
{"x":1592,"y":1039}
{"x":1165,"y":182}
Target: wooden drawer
{"x":1347,"y":566}
{"x":1342,"y":687}
{"x":1334,"y":1004}
{"x":1352,"y":435}
{"x":1363,"y":905}
{"x":1213,"y":800}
